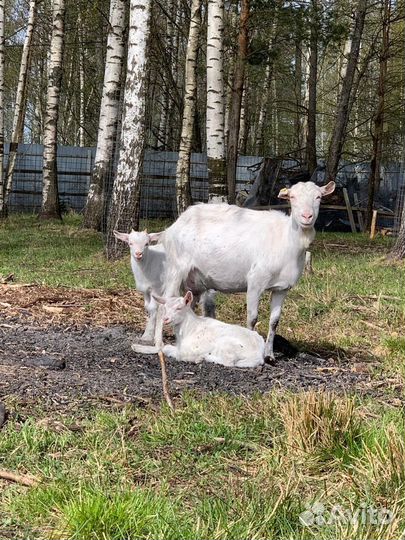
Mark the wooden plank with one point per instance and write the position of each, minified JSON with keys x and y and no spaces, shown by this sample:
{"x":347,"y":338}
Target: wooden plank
{"x":349,"y":210}
{"x":359,"y":214}
{"x":373,"y":224}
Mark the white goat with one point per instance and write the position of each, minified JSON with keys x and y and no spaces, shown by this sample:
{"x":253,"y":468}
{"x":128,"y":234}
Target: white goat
{"x":203,"y":338}
{"x":235,"y":249}
{"x":148,"y":263}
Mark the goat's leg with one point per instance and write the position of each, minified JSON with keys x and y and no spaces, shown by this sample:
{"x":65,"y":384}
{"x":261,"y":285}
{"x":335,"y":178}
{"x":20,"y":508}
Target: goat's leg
{"x":208,"y":303}
{"x":252,"y":300}
{"x":151,"y":308}
{"x":172,"y":288}
{"x":277,"y":299}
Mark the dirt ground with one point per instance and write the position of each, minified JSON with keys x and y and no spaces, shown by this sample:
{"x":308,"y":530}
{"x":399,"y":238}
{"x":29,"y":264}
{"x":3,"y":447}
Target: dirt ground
{"x":60,"y":349}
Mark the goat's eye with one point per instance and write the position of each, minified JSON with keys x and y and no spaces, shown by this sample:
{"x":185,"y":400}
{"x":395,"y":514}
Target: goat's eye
{"x":318,"y":198}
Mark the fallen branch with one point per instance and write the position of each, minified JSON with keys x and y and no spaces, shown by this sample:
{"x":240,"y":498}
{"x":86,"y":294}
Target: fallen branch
{"x":19,"y":479}
{"x":165,"y":384}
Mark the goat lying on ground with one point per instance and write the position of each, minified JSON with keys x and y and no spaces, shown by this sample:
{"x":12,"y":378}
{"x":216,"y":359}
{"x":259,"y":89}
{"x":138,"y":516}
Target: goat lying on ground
{"x":148,"y":263}
{"x":236,"y":249}
{"x":203,"y":338}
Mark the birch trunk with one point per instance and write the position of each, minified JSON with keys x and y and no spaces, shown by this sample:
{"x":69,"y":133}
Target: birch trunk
{"x":264,"y":99}
{"x":217,"y":188}
{"x":124,"y":209}
{"x":237,"y":91}
{"x":1,"y":105}
{"x":311,"y":158}
{"x":109,"y":116}
{"x":19,"y":107}
{"x":50,"y":196}
{"x":343,"y":107}
{"x":81,"y":84}
{"x":183,"y":187}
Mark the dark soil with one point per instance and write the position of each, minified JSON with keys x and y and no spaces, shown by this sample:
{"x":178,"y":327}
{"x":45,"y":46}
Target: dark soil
{"x":59,"y":366}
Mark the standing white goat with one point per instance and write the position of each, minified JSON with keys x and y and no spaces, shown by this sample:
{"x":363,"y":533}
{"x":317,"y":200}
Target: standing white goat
{"x":235,"y":249}
{"x":148,"y":263}
{"x":203,"y":338}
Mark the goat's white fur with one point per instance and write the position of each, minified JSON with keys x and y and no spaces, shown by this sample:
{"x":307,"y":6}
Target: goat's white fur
{"x":236,"y":249}
{"x":148,"y":263}
{"x":203,"y":338}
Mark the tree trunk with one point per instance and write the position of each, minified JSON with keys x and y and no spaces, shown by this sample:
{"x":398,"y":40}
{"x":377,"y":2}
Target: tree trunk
{"x":19,"y":107}
{"x":398,"y":251}
{"x":217,"y":188}
{"x":81,"y":84}
{"x":1,"y":105}
{"x":124,"y":209}
{"x":109,"y":112}
{"x":183,"y":187}
{"x":50,"y":195}
{"x":312,"y":90}
{"x":264,"y":102}
{"x":298,"y":96}
{"x":343,"y":107}
{"x":237,"y":91}
{"x":377,"y":135}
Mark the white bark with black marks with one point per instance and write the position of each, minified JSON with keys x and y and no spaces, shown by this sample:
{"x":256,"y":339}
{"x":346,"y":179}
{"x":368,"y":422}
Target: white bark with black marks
{"x":215,"y":102}
{"x":1,"y":105}
{"x":109,"y":115}
{"x":124,"y":210}
{"x":50,"y":197}
{"x":183,"y":188}
{"x":20,"y":105}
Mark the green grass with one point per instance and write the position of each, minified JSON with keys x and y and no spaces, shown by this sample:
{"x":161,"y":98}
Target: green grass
{"x":220,"y":467}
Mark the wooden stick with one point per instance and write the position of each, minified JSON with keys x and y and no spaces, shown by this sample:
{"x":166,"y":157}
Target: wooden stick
{"x":18,"y":479}
{"x":373,"y":225}
{"x":359,"y":214}
{"x":308,"y":263}
{"x":349,"y":210}
{"x":165,"y":384}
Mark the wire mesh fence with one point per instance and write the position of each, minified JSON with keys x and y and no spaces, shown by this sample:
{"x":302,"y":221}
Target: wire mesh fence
{"x":158,"y":200}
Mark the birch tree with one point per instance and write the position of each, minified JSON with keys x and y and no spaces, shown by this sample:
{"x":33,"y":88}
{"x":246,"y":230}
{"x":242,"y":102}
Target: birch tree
{"x":20,"y":106}
{"x":217,"y":187}
{"x":50,"y":196}
{"x":124,"y":210}
{"x":343,"y":107}
{"x":109,"y":111}
{"x":183,"y":187}
{"x":1,"y":105}
{"x":310,"y":152}
{"x":237,"y":91}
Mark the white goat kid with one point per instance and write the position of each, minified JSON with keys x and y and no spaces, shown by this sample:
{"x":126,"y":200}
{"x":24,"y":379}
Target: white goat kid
{"x":148,"y":265}
{"x":237,"y":249}
{"x":203,"y":338}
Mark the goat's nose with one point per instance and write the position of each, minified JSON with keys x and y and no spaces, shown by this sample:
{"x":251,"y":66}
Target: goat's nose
{"x":307,"y":215}
{"x":138,"y":253}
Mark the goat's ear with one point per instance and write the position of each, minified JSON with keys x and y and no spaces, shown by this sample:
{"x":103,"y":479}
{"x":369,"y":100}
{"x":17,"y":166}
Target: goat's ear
{"x":284,"y":193}
{"x":145,"y":231}
{"x":188,"y":297}
{"x":121,"y":236}
{"x":328,"y":189}
{"x":159,"y":299}
{"x":154,"y":237}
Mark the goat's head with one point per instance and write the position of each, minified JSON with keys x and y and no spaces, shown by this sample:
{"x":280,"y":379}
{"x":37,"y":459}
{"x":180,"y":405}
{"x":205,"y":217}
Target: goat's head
{"x":305,"y":198}
{"x":175,"y":307}
{"x":138,"y":241}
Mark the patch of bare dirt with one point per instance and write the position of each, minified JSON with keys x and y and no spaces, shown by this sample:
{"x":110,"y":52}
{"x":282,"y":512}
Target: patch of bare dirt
{"x":82,"y":354}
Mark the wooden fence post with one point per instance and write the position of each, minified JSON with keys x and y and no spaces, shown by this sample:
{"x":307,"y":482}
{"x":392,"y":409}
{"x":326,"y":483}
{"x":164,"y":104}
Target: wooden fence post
{"x":349,"y":210}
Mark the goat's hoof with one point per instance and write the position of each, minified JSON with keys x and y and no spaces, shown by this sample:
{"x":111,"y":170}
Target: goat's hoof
{"x":146,"y":340}
{"x":269,"y":361}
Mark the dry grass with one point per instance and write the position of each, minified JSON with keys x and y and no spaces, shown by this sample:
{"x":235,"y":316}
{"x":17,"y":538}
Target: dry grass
{"x":61,"y":305}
